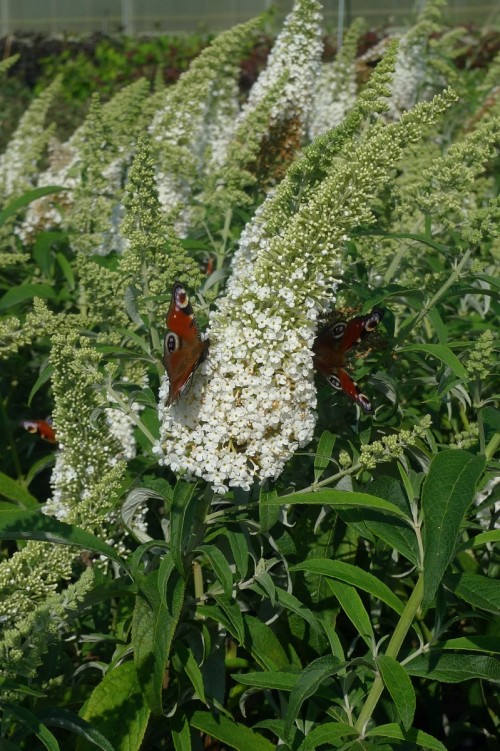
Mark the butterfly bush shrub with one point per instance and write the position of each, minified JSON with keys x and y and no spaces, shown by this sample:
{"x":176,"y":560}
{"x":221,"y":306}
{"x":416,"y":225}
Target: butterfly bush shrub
{"x":258,"y":402}
{"x":259,"y":534}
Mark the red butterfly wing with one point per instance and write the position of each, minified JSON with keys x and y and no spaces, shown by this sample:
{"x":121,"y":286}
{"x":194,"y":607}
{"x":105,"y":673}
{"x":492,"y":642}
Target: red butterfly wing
{"x":184,"y":349}
{"x":42,"y":427}
{"x":331,"y":346}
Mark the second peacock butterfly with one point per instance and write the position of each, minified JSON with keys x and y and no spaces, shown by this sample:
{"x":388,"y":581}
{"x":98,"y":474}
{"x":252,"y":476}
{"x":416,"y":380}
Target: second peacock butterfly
{"x":42,"y":427}
{"x":184,"y":349}
{"x":331,"y":346}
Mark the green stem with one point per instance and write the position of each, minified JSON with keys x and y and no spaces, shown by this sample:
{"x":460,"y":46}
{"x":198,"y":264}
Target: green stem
{"x":199,"y":589}
{"x":480,"y":420}
{"x":327,"y":481}
{"x":428,"y":226}
{"x":404,"y":625}
{"x":454,"y":276}
{"x":199,"y":526}
{"x":492,"y":446}
{"x":221,"y":251}
{"x":391,"y":270}
{"x":151,"y":311}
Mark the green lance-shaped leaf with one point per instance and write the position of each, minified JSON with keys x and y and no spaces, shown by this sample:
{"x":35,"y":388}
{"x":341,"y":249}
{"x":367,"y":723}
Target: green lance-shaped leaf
{"x":400,"y":687}
{"x":31,"y":725}
{"x":23,"y":292}
{"x":440,"y":352}
{"x":277,"y":728}
{"x":328,"y":733}
{"x":269,"y":509}
{"x":490,"y":644}
{"x":370,"y":523}
{"x":264,"y":645}
{"x":289,"y":602}
{"x":31,"y":195}
{"x":455,"y":668}
{"x":183,"y":660}
{"x":475,"y":589}
{"x":117,"y":709}
{"x":240,"y":549}
{"x":45,"y":375}
{"x":279,"y":681}
{"x":323,"y":453}
{"x":156,"y":615}
{"x":483,"y":538}
{"x":352,"y":605}
{"x":219,"y":565}
{"x":182,"y":515}
{"x":33,"y":525}
{"x":341,"y":498}
{"x":235,"y":735}
{"x":447,"y":493}
{"x":308,"y":683}
{"x":181,"y":733}
{"x":66,"y":269}
{"x":352,"y":575}
{"x":416,"y":737}
{"x":227,"y":614}
{"x":63,"y":718}
{"x":12,"y":489}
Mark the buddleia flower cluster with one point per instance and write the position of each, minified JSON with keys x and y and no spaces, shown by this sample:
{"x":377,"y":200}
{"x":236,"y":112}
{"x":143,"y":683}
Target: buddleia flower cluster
{"x":336,"y":86}
{"x":452,"y":189}
{"x":424,"y":60}
{"x":482,"y":357}
{"x":18,"y":163}
{"x":7,"y":63}
{"x":22,"y":647}
{"x":88,"y":471}
{"x":92,"y":166}
{"x":295,"y":59}
{"x":194,"y":120}
{"x":253,"y":403}
{"x":393,"y":446}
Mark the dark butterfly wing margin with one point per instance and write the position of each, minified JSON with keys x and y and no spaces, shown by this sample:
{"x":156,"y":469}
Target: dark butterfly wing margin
{"x":331,"y":346}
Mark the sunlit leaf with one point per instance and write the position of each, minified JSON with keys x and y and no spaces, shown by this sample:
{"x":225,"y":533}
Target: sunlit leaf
{"x":400,"y":688}
{"x":447,"y":493}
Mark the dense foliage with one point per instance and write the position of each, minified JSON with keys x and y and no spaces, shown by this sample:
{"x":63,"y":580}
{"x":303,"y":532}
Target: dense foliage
{"x":260,"y":563}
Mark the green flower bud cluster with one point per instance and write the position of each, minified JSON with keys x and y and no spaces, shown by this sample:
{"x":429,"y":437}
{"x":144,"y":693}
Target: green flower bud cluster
{"x":393,"y":446}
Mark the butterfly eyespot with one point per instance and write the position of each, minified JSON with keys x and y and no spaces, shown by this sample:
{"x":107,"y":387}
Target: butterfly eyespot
{"x":374,"y":319}
{"x":371,"y":323}
{"x":172,"y":342}
{"x":331,"y":346}
{"x":181,"y":297}
{"x":334,"y":382}
{"x":364,"y":402}
{"x":338,"y":330}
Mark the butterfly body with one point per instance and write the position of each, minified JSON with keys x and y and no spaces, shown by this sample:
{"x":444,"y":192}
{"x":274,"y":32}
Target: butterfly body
{"x":42,"y":427}
{"x":331,"y":346}
{"x":184,"y":349}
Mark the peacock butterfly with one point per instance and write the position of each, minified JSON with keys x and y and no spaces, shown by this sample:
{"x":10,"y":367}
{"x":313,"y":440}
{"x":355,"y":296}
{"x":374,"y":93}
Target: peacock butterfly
{"x":331,"y":346}
{"x":184,"y":348}
{"x":42,"y":427}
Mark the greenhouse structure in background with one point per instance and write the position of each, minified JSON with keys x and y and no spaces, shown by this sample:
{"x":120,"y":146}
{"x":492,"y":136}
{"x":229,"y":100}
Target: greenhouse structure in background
{"x":172,"y":16}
